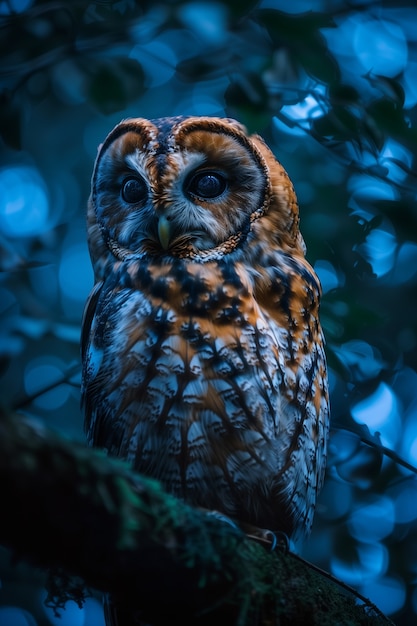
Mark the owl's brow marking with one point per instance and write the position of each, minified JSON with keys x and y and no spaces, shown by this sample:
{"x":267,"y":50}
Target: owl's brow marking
{"x":137,"y":162}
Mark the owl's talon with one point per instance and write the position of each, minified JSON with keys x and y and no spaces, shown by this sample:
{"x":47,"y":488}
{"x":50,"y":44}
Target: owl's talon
{"x":277,"y":540}
{"x":282,"y":542}
{"x":223,"y":518}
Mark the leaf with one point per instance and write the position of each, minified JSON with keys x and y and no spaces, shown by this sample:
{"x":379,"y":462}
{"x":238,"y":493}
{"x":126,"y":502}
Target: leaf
{"x":10,"y":122}
{"x":344,"y":444}
{"x":240,"y":8}
{"x":114,"y":83}
{"x":301,"y":34}
{"x":340,"y":94}
{"x":390,"y":87}
{"x":338,"y":124}
{"x":361,"y":468}
{"x":246,"y":99}
{"x":203,"y":66}
{"x":387,"y":116}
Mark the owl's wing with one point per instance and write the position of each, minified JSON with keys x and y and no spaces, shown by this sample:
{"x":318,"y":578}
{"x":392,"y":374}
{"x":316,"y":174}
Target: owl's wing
{"x":86,"y":326}
{"x":289,"y":291}
{"x":88,"y":316}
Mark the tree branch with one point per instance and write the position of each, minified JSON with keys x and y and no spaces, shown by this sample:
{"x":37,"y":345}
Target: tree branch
{"x":69,"y":507}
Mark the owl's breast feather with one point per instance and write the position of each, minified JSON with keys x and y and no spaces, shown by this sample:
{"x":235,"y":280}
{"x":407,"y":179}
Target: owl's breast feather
{"x":221,"y":292}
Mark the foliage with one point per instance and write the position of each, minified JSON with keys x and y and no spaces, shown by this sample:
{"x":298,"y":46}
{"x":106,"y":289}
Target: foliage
{"x":331,"y":87}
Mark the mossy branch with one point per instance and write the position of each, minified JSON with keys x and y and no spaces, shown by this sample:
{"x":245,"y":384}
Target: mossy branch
{"x":67,"y":507}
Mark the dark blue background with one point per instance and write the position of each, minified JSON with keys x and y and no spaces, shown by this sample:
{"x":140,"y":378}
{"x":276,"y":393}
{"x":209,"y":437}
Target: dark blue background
{"x":332,"y":87}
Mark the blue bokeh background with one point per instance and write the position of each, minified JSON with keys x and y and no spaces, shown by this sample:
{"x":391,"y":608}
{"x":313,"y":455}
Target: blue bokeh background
{"x":332,"y":87}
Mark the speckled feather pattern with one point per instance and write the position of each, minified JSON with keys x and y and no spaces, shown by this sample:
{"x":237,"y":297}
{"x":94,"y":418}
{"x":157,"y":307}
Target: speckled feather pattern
{"x":204,"y":363}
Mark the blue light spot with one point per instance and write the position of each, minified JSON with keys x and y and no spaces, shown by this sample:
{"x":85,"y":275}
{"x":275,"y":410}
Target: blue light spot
{"x":381,"y":47}
{"x":393,"y":156}
{"x":374,"y":521}
{"x":335,"y":499}
{"x":24,"y":204}
{"x":379,"y":411}
{"x":14,"y":6}
{"x":405,"y":384}
{"x":45,"y":373}
{"x":340,"y":41}
{"x":406,"y":263}
{"x":374,"y":559}
{"x":158,"y":61}
{"x":44,"y":281}
{"x":411,"y":443}
{"x":12,"y":616}
{"x":207,"y":99}
{"x":406,"y":504}
{"x":296,"y":118}
{"x":301,"y":6}
{"x":366,"y":189}
{"x":309,"y":108}
{"x":350,"y":572}
{"x":365,"y":565}
{"x":72,"y":615}
{"x":366,"y":45}
{"x":328,"y":275}
{"x":201,"y":104}
{"x":288,"y":127}
{"x":410,"y":86}
{"x":362,"y":360}
{"x":387,"y":593}
{"x":75,"y":273}
{"x":379,"y":250}
{"x":206,"y":19}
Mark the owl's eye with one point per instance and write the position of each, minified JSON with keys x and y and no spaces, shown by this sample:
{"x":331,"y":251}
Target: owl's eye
{"x":134,"y":190}
{"x":207,"y":185}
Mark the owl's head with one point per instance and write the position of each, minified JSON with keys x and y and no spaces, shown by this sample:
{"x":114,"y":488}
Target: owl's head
{"x":193,"y":187}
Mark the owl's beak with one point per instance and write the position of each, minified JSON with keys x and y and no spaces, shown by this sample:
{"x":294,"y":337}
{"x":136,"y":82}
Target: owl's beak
{"x":164,"y":233}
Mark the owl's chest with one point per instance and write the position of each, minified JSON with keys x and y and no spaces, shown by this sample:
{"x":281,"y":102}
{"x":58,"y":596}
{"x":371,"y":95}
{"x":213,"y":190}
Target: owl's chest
{"x":170,"y":373}
{"x":189,"y":336}
{"x":168,"y":295}
{"x":183,"y":365}
{"x":189,"y":329}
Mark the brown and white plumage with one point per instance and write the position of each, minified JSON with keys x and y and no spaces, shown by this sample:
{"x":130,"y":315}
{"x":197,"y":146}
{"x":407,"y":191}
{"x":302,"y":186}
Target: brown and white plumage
{"x":203,"y":353}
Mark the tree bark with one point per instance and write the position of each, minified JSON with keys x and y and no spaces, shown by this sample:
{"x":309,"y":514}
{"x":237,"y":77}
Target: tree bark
{"x":77,"y":512}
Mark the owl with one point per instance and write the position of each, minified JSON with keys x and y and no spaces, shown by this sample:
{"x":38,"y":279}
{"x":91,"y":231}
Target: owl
{"x":203,"y":354}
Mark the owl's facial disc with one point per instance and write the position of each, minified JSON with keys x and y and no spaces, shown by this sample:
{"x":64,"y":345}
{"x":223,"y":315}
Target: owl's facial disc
{"x":176,"y":192}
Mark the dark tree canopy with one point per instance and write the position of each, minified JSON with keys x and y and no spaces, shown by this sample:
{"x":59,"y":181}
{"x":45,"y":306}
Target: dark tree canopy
{"x":332,"y":88}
